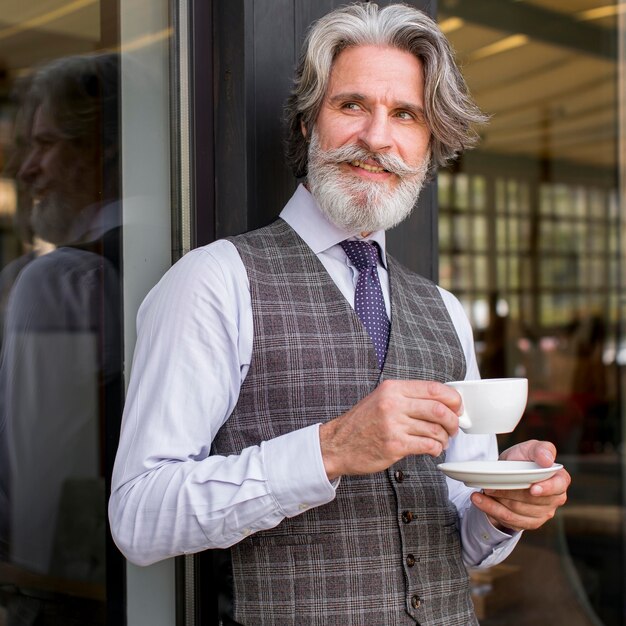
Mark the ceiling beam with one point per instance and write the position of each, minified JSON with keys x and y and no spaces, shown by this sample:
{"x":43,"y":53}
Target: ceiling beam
{"x":558,"y":29}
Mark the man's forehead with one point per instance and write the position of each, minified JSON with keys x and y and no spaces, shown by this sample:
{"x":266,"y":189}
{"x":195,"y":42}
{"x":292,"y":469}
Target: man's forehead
{"x":44,"y":123}
{"x":360,"y":69}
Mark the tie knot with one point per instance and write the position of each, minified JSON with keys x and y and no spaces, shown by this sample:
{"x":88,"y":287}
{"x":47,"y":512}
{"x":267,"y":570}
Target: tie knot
{"x":362,"y":254}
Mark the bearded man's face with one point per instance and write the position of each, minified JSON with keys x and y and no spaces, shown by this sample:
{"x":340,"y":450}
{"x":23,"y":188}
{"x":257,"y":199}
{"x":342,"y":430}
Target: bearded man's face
{"x":370,"y":147}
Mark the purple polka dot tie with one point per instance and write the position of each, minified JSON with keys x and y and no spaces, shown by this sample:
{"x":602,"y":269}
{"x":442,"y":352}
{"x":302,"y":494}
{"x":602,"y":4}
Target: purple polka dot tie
{"x":369,"y":302}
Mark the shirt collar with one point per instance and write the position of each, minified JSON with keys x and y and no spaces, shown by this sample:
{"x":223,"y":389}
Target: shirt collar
{"x":93,"y":221}
{"x":304,"y":215}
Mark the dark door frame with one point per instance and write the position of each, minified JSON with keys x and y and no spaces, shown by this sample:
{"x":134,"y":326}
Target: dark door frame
{"x":238,"y":79}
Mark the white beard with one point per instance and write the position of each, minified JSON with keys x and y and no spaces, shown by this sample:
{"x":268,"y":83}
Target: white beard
{"x":358,"y":205}
{"x":52,"y":219}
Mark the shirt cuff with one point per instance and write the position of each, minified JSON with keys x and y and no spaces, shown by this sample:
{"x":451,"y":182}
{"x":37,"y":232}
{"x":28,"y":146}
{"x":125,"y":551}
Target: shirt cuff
{"x":295,"y":471}
{"x":484,"y":544}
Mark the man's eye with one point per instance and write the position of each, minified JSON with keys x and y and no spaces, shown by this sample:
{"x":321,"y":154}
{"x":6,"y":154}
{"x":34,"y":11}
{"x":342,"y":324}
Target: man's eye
{"x":351,"y":106}
{"x":44,"y":143}
{"x":405,"y":115}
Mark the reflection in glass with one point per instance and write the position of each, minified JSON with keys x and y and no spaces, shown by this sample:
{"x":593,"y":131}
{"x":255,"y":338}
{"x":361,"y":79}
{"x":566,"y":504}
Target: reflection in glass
{"x":61,"y":366}
{"x":555,"y":296}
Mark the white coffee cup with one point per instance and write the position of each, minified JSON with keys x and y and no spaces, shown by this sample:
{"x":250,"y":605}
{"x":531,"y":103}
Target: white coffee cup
{"x":491,"y":405}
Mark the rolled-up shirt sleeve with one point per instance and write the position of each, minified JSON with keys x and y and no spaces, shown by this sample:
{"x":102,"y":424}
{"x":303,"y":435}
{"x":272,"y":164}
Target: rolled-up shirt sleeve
{"x":170,"y":496}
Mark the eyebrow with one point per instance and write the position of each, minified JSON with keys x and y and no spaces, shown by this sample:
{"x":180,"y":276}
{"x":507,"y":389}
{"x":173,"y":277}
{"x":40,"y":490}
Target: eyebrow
{"x":46,"y":136}
{"x":359,"y":97}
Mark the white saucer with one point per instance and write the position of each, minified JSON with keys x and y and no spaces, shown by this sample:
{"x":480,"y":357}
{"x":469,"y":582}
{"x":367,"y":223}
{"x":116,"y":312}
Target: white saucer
{"x":498,"y":474}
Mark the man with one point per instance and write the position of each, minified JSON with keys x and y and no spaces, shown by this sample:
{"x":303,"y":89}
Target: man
{"x":61,"y":358}
{"x":267,"y":414}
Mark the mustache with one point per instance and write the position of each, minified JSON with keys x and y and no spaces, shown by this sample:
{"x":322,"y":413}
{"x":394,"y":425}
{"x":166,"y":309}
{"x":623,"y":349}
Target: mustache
{"x":352,"y":152}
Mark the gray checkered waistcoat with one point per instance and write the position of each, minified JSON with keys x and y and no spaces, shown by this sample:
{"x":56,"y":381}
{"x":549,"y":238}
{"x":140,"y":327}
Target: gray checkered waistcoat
{"x":386,"y":550}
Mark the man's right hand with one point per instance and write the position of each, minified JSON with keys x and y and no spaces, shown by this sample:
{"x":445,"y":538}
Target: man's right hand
{"x":397,"y":419}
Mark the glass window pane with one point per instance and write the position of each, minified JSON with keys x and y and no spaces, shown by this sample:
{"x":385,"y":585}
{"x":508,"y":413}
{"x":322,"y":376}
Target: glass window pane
{"x":64,"y":277}
{"x":61,"y":309}
{"x":461,"y":191}
{"x":551,"y":161}
{"x":514,"y":233}
{"x":445,"y":271}
{"x":444,"y":184}
{"x":481,"y":275}
{"x":462,"y":276}
{"x":501,"y":233}
{"x":480,"y":233}
{"x":463,"y":233}
{"x":445,"y":237}
{"x":479,"y":193}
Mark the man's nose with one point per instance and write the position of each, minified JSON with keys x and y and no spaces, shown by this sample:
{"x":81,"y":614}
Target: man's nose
{"x":29,"y":167}
{"x":375,"y":134}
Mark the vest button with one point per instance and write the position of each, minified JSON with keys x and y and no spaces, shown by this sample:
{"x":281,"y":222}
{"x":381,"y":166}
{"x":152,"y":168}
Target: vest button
{"x":410,"y":560}
{"x":399,"y":476}
{"x":407,"y":516}
{"x":416,"y":602}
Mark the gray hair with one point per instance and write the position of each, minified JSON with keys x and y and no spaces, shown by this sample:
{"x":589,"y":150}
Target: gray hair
{"x":449,"y":110}
{"x":81,"y":93}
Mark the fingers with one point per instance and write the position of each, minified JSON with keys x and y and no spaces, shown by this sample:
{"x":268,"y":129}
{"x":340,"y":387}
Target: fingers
{"x":525,"y":509}
{"x":416,"y":413}
{"x":558,"y":484}
{"x":422,"y":400}
{"x":397,"y":419}
{"x":509,"y":514}
{"x":541,"y":452}
{"x":554,"y":486}
{"x":430,"y":390}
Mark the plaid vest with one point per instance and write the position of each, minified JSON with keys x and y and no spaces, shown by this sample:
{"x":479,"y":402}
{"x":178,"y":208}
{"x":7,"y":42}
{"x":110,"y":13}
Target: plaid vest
{"x":386,"y":551}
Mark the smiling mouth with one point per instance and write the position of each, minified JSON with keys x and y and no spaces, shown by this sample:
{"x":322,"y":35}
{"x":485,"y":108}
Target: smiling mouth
{"x":369,"y":168}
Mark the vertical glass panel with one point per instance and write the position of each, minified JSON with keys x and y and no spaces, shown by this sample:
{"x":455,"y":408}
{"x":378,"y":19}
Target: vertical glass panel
{"x":480,"y":233}
{"x":463,"y":232}
{"x":462,"y":272}
{"x":500,"y":197}
{"x":524,"y":235}
{"x":481,"y":275}
{"x":597,"y":235}
{"x":562,"y":205}
{"x":545,"y":199}
{"x":502,"y":271}
{"x":445,"y":236}
{"x":597,"y":203}
{"x":512,"y":197}
{"x":444,"y":183}
{"x":462,"y":191}
{"x":501,"y":232}
{"x":525,"y":273}
{"x":550,"y":161}
{"x":513,"y":282}
{"x":547,"y":235}
{"x":524,"y":199}
{"x":445,"y":271}
{"x":480,"y":190}
{"x":61,"y":374}
{"x":513,"y":239}
{"x":64,"y":69}
{"x":579,"y":202}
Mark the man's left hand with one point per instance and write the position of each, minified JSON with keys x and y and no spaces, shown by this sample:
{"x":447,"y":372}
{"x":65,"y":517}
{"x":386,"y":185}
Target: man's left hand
{"x":526,"y":509}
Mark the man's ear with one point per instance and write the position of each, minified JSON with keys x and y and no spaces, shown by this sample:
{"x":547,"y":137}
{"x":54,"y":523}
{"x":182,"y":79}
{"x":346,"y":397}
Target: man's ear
{"x":303,"y":129}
